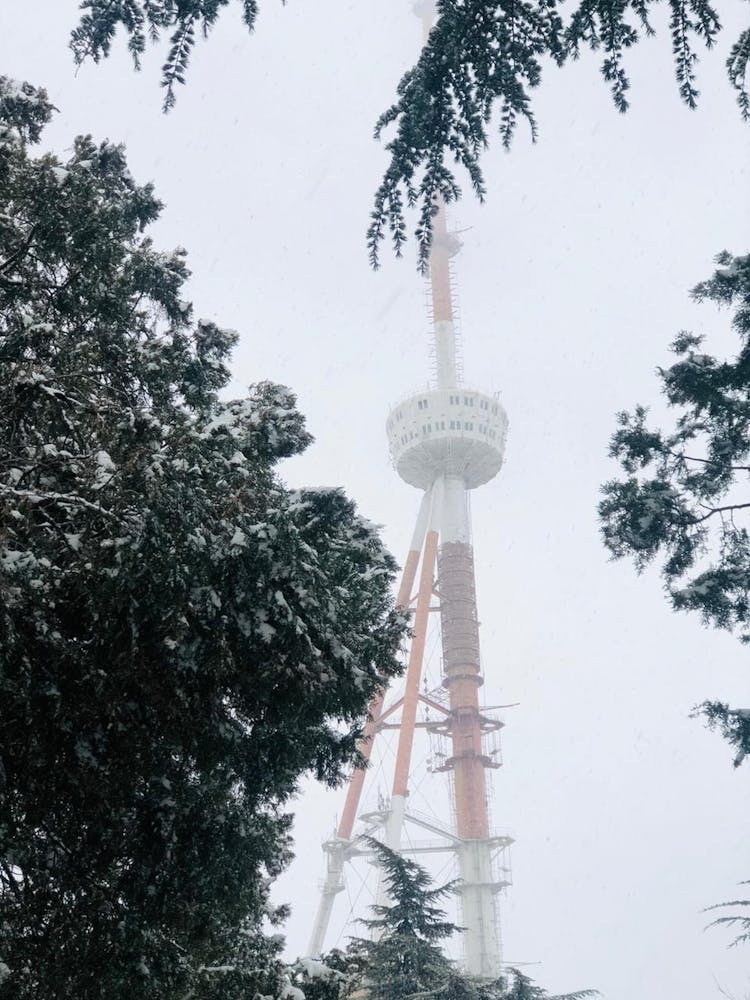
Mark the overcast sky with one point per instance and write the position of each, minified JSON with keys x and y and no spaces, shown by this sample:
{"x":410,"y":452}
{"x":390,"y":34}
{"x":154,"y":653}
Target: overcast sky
{"x":627,"y":815}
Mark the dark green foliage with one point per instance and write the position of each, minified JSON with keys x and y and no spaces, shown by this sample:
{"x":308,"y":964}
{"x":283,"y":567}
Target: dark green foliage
{"x":734,"y":920}
{"x":405,"y":957}
{"x":734,"y":726}
{"x":737,"y":67}
{"x":517,"y":986}
{"x":482,"y":60}
{"x":24,"y":111}
{"x":615,"y":27}
{"x":144,"y":20}
{"x":413,"y":911}
{"x":181,"y":636}
{"x":336,"y":976}
{"x":684,"y":497}
{"x":479,"y":56}
{"x":405,"y":960}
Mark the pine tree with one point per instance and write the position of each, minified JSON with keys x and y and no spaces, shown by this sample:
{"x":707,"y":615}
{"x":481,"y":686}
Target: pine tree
{"x":181,"y":635}
{"x":403,"y":958}
{"x":682,"y":498}
{"x":482,"y":60}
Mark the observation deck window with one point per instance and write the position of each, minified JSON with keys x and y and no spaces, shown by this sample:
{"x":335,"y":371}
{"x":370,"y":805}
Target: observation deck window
{"x":468,"y":426}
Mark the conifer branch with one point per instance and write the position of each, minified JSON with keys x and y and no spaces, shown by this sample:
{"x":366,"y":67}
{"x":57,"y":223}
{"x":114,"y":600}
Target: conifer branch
{"x":477,"y":71}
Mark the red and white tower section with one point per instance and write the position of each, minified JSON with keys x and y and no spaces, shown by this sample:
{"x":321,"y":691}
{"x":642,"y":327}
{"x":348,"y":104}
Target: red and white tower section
{"x":445,"y":441}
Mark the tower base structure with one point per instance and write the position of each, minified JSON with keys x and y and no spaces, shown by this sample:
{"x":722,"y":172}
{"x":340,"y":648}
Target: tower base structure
{"x":441,"y":565}
{"x":483,"y":870}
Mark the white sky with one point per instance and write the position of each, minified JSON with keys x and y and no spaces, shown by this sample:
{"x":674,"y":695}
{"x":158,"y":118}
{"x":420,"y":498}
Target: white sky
{"x":627,"y":815}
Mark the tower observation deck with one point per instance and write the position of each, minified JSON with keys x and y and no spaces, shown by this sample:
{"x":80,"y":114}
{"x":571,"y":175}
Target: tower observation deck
{"x":455,"y":431}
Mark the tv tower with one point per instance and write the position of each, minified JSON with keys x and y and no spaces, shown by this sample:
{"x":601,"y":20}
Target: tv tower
{"x":445,"y":441}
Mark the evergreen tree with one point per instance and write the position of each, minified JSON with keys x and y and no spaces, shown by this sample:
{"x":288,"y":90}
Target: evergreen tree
{"x":683,"y":497}
{"x":483,"y":57}
{"x":181,"y":636}
{"x":403,"y":959}
{"x":336,"y":976}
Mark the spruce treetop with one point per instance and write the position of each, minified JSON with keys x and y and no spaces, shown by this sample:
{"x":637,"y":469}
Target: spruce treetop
{"x":413,"y":909}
